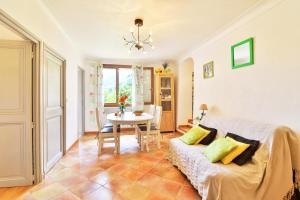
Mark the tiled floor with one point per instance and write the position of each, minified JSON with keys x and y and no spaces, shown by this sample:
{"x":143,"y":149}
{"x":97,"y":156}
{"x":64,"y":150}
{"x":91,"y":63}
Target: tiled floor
{"x":130,"y":176}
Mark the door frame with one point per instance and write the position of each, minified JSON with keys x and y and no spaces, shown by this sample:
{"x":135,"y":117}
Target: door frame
{"x":83,"y":98}
{"x":51,"y":51}
{"x":19,"y":29}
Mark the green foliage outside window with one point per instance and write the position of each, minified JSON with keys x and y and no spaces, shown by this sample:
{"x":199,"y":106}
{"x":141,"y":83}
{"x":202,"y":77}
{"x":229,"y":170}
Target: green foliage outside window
{"x":125,"y":88}
{"x":110,"y":95}
{"x":109,"y":85}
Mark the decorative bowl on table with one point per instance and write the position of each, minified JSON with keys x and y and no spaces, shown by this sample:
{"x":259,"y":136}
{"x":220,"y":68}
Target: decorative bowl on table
{"x":138,"y":112}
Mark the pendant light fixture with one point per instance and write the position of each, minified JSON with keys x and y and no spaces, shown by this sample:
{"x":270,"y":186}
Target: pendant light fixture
{"x":136,"y":41}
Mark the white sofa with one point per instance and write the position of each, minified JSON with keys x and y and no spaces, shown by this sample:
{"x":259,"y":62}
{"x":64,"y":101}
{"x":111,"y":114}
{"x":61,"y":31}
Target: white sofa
{"x":268,"y":176}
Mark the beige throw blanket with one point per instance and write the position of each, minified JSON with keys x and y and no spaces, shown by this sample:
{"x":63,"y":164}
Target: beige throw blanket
{"x":269,"y":176}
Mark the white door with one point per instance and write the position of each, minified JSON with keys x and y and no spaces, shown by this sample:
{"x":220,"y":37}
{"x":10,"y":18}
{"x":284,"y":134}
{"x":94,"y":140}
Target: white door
{"x":80,"y":102}
{"x":15,"y":113}
{"x":53,"y":110}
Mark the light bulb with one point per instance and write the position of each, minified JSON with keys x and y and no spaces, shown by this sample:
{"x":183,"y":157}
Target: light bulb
{"x":150,"y":40}
{"x":131,"y":30}
{"x":141,"y":44}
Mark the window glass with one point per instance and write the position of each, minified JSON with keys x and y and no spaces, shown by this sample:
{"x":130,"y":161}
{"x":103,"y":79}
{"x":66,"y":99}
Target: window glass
{"x":125,"y":83}
{"x":109,"y":85}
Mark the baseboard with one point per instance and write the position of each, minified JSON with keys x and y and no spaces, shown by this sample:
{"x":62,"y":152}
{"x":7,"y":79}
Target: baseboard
{"x":72,"y":146}
{"x":127,"y":129}
{"x":180,"y":131}
{"x":95,"y":132}
{"x":90,"y":133}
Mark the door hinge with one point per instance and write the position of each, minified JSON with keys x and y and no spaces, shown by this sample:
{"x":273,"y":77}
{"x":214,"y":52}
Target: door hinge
{"x":32,"y":51}
{"x":33,"y":124}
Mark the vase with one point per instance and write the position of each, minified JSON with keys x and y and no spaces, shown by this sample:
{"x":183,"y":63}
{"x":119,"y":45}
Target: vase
{"x":122,"y":109}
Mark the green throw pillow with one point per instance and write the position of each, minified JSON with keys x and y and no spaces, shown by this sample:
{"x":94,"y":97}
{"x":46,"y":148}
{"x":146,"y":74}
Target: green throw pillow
{"x":218,"y":149}
{"x":194,"y":135}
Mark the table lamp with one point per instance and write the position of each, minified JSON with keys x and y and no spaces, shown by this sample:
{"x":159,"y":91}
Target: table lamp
{"x":203,"y":107}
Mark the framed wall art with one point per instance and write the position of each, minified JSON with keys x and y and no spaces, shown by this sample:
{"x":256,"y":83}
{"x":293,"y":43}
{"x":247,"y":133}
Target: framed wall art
{"x":208,"y":70}
{"x":242,"y":54}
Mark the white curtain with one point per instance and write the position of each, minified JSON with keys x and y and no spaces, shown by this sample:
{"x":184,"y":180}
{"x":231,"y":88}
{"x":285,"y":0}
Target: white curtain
{"x":137,"y":88}
{"x":99,"y":94}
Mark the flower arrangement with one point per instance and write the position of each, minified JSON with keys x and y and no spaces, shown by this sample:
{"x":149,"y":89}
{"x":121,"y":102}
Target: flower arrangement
{"x":165,"y":65}
{"x":122,"y":102}
{"x":163,"y":70}
{"x":158,"y":70}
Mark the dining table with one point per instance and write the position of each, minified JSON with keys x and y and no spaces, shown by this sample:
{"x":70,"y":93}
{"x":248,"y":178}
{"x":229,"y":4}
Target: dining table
{"x":129,"y":118}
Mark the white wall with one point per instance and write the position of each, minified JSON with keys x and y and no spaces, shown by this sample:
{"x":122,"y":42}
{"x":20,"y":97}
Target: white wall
{"x":36,"y":18}
{"x":184,"y":92}
{"x":267,"y":91}
{"x":7,"y":34}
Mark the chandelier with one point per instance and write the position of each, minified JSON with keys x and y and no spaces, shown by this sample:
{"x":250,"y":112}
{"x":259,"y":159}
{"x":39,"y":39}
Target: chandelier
{"x":136,"y":41}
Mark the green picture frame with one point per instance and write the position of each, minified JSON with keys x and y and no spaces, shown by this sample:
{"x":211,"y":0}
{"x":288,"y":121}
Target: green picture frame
{"x":242,"y":54}
{"x":208,"y":70}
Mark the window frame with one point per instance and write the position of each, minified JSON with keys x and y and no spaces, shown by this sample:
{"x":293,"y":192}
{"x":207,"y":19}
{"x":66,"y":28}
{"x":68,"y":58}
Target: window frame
{"x":117,"y":67}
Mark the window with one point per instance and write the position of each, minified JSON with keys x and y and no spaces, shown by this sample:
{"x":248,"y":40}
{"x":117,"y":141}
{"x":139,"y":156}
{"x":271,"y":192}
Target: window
{"x":117,"y":80}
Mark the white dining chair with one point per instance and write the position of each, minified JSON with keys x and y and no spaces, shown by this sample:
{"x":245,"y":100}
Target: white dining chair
{"x":154,"y":130}
{"x":150,"y":109}
{"x":105,"y":134}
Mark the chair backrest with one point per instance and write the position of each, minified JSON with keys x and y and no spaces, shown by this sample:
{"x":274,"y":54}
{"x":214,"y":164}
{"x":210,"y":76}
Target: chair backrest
{"x":157,"y":116}
{"x":150,"y":109}
{"x":98,"y":120}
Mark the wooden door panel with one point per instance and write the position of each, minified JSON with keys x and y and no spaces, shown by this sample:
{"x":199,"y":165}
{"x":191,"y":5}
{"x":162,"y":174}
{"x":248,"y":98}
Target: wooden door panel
{"x":53,"y":137}
{"x":12,"y":77}
{"x":12,"y":136}
{"x":53,"y":101}
{"x":167,"y":121}
{"x":15,"y":113}
{"x":53,"y":83}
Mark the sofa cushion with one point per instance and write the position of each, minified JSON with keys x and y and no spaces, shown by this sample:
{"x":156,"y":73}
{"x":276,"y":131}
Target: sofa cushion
{"x":218,"y":149}
{"x":210,"y":137}
{"x":194,"y":135}
{"x":248,"y":153}
{"x":241,"y":147}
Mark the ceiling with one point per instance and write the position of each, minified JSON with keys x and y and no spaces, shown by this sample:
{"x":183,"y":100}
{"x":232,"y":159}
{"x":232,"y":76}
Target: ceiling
{"x":97,"y":26}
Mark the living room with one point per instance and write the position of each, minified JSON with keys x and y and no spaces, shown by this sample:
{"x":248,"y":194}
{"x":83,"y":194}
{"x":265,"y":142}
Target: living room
{"x":149,"y":99}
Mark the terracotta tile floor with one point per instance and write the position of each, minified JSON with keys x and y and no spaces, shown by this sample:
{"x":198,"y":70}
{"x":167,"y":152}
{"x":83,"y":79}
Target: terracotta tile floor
{"x":133,"y":175}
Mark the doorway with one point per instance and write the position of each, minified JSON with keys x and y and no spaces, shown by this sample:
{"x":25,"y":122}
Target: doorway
{"x":185,"y":91}
{"x":54,"y":108}
{"x":80,"y":102}
{"x":19,"y":112}
{"x":15,"y":113}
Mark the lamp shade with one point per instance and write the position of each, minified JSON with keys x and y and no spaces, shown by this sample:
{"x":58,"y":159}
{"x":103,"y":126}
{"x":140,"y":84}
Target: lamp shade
{"x":203,"y":107}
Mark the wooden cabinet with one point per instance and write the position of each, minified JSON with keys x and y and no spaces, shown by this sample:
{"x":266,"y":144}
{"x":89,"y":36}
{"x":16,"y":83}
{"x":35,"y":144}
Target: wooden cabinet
{"x":165,"y":97}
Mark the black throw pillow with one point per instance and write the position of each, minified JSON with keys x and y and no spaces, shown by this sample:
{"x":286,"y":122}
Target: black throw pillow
{"x":248,"y":153}
{"x":210,"y":137}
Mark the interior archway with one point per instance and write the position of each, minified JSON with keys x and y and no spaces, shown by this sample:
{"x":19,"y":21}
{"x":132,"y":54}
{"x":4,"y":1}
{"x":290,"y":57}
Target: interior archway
{"x":185,"y":91}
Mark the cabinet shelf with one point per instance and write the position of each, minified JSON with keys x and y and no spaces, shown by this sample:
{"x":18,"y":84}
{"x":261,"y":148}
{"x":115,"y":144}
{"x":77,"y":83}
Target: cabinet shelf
{"x":165,"y":96}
